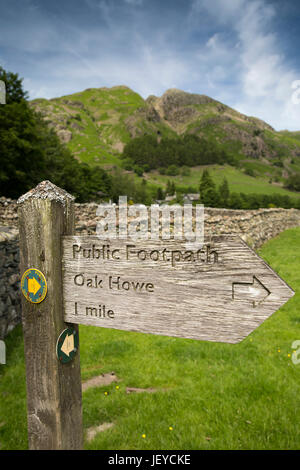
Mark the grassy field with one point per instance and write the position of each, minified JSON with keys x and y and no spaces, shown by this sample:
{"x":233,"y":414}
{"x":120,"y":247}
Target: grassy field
{"x":208,"y":395}
{"x":238,"y":181}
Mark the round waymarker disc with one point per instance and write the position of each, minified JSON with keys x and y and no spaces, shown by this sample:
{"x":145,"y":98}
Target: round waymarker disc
{"x":34,"y":285}
{"x":67,"y":345}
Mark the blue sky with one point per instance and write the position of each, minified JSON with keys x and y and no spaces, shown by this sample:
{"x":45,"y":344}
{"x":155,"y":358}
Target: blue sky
{"x":244,"y":53}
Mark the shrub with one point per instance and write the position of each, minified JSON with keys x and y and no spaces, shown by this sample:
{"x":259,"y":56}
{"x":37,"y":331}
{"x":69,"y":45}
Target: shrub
{"x":128,"y":164}
{"x":172,"y":170}
{"x":250,"y":172}
{"x":293,"y":182}
{"x":138,"y":170}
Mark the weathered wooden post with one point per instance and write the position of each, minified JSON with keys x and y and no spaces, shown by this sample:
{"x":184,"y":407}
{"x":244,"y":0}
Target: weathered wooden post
{"x":53,"y":389}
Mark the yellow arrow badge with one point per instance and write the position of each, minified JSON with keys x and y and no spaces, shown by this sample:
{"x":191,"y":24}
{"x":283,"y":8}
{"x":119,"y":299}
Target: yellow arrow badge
{"x":34,"y":285}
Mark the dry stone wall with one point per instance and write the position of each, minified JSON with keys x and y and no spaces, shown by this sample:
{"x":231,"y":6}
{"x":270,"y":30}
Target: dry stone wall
{"x":10,"y":301}
{"x":255,"y":227}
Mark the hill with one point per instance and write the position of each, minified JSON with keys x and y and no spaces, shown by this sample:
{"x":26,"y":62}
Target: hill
{"x":97,"y":123}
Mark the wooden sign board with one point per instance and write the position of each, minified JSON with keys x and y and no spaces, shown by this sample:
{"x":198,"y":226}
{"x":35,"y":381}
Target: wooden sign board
{"x":221,"y":292}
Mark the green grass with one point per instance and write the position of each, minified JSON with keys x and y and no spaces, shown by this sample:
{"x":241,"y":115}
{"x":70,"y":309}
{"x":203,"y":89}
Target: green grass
{"x":238,"y":181}
{"x":102,"y":114}
{"x":213,"y":395}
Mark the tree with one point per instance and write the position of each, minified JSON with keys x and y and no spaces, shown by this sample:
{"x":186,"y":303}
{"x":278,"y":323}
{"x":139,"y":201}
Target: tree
{"x":169,"y":187}
{"x":142,"y":151}
{"x":208,"y":193}
{"x":141,"y":195}
{"x":235,"y":201}
{"x":210,"y":198}
{"x":206,"y":182}
{"x":31,"y":152}
{"x":224,"y":192}
{"x":22,"y":157}
{"x":13,"y":85}
{"x":171,"y":153}
{"x":173,"y":188}
{"x":160,"y":194}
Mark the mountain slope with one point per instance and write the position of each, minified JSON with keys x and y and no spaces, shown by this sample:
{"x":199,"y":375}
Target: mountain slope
{"x":97,"y":123}
{"x":247,"y":137}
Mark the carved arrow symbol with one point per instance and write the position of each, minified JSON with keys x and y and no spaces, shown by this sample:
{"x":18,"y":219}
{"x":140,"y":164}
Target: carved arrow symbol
{"x":255,"y":291}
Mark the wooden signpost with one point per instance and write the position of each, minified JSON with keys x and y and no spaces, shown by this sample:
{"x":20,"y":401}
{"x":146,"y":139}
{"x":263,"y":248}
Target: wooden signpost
{"x":54,"y":409}
{"x":219,"y":292}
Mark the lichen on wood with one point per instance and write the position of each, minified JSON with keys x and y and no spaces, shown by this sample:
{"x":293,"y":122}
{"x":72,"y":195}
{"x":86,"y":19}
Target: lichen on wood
{"x":47,"y":190}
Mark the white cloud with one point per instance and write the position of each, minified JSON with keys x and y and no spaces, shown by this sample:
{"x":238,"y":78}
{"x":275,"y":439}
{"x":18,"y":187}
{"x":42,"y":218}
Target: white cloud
{"x":225,"y":49}
{"x":264,"y":80}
